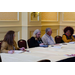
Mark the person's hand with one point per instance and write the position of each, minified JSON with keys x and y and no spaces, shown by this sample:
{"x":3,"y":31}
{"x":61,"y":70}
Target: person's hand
{"x":23,"y":49}
{"x":41,"y":44}
{"x":70,"y":39}
{"x":11,"y":51}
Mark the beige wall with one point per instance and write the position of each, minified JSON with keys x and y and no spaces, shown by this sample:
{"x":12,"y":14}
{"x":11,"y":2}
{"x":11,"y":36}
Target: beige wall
{"x":48,"y":16}
{"x":24,"y":28}
{"x":12,"y":23}
{"x":25,"y":25}
{"x":33,"y":25}
{"x":8,"y":16}
{"x":66,"y":21}
{"x":52,"y":23}
{"x":20,"y":27}
{"x":43,"y":24}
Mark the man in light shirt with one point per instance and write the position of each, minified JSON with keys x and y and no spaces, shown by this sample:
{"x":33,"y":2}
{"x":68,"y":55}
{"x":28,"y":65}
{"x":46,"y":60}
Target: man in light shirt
{"x":47,"y":38}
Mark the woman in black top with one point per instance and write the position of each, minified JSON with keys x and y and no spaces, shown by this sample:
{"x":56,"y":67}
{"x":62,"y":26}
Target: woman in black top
{"x":35,"y":40}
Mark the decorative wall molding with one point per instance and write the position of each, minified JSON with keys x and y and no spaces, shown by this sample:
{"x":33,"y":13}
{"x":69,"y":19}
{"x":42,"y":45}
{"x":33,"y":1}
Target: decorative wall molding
{"x":13,"y":20}
{"x":50,"y":25}
{"x":67,"y":25}
{"x":51,"y":20}
{"x":66,"y":20}
{"x":4,"y":30}
{"x":2,"y":34}
{"x":10,"y":26}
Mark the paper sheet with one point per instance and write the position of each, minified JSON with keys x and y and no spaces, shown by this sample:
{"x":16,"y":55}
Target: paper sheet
{"x":17,"y":52}
{"x":57,"y":47}
{"x":71,"y":42}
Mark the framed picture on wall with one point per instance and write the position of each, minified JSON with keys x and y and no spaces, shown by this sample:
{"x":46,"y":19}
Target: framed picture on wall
{"x":34,"y":16}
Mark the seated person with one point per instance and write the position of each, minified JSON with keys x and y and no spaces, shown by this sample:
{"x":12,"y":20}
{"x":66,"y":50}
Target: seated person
{"x":47,"y":38}
{"x":35,"y":40}
{"x":9,"y":44}
{"x":68,"y":35}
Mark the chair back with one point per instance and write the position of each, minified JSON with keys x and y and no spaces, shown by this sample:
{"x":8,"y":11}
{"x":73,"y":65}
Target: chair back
{"x":22,"y":43}
{"x":28,"y":41}
{"x":58,"y":39}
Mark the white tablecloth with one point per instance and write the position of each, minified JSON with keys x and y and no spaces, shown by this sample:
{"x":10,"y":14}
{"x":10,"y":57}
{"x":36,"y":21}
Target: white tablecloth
{"x":39,"y":53}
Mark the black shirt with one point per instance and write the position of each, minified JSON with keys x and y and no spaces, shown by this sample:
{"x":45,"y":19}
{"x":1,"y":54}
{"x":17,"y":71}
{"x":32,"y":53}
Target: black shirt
{"x":35,"y":42}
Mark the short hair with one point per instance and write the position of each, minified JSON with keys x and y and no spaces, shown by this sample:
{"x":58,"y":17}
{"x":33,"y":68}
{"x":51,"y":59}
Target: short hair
{"x":69,"y":28}
{"x":47,"y":29}
{"x":36,"y":31}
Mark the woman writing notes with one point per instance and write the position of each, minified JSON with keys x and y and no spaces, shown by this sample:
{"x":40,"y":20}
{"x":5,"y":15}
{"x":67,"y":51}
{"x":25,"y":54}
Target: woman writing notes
{"x":9,"y":44}
{"x":68,"y":35}
{"x":35,"y":40}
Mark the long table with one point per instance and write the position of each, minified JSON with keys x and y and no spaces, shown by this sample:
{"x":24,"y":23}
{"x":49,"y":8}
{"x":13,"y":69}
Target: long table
{"x":40,"y":53}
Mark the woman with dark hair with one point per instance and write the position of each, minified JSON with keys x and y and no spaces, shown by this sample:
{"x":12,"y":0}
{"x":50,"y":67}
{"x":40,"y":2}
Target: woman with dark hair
{"x":9,"y":44}
{"x":68,"y":34}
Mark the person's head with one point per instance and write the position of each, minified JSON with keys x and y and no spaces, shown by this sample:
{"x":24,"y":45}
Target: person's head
{"x":69,"y":31}
{"x":48,"y":31}
{"x":9,"y":37}
{"x":37,"y":33}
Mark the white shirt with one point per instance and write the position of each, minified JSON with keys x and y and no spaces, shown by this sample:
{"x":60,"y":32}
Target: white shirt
{"x":48,"y":40}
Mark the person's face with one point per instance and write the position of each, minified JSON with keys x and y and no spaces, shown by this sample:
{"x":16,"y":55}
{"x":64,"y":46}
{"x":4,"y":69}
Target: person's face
{"x":38,"y":35}
{"x":49,"y":32}
{"x":68,"y":33}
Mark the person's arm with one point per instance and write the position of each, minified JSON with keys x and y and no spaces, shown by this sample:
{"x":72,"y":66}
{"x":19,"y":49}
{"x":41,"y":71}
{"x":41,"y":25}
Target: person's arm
{"x":33,"y":42}
{"x":73,"y":39}
{"x":53,"y":40}
{"x":4,"y":47}
{"x":17,"y":48}
{"x":44,"y":41}
{"x":65,"y":39}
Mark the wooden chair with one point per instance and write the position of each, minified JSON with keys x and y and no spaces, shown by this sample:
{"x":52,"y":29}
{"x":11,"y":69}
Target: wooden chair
{"x":28,"y":41}
{"x":58,"y":39}
{"x":22,"y":43}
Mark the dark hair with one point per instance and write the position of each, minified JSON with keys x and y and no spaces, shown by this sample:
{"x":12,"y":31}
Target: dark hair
{"x":69,"y":28}
{"x":9,"y":37}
